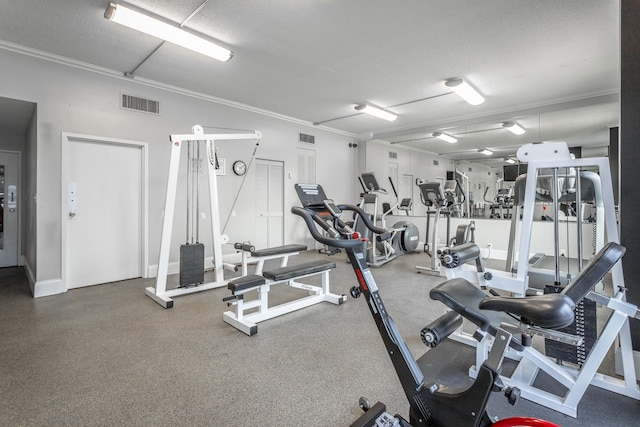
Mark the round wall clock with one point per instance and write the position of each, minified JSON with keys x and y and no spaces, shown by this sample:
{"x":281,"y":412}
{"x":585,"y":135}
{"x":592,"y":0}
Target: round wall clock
{"x":239,"y":167}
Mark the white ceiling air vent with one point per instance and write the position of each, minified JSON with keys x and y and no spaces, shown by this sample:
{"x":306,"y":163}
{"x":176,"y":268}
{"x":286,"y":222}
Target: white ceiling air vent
{"x":393,"y":155}
{"x":131,"y":102}
{"x":308,"y":139}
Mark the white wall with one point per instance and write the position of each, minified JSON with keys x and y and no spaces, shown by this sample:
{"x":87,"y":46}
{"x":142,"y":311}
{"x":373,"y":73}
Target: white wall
{"x":73,"y":99}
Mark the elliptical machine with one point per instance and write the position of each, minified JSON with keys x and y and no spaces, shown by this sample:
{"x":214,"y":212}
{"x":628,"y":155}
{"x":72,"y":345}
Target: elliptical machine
{"x":430,"y":405}
{"x":404,"y":234}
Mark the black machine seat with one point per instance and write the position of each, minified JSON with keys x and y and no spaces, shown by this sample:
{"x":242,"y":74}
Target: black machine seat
{"x":292,"y":271}
{"x":463,"y":297}
{"x":278,"y":250}
{"x":551,"y":311}
{"x":245,"y":282}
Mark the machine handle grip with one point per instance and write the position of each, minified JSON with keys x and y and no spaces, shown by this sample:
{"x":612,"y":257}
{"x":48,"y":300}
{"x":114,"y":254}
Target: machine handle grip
{"x":382,"y":233}
{"x":307,"y":216}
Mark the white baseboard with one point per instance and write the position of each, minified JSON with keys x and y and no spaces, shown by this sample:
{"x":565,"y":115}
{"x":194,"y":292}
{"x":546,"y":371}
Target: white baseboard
{"x":31,"y":277}
{"x":46,"y":288}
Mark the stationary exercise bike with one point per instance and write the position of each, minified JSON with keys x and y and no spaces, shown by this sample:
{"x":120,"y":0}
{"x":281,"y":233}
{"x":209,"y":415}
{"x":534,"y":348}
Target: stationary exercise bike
{"x":430,"y":404}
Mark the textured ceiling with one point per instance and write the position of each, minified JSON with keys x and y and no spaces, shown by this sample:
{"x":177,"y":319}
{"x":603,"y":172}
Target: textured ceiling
{"x":553,"y":66}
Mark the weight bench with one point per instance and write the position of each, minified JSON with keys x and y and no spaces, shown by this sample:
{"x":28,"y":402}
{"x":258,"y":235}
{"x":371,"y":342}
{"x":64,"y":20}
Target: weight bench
{"x":544,"y":315}
{"x":252,"y":256}
{"x":247,"y":322}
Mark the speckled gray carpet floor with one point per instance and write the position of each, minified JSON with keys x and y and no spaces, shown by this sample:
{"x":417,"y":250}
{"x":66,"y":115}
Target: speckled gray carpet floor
{"x":109,"y":355}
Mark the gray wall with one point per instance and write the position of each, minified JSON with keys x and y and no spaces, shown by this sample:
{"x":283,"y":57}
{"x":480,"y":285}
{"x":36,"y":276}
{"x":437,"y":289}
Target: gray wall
{"x":78,"y":100}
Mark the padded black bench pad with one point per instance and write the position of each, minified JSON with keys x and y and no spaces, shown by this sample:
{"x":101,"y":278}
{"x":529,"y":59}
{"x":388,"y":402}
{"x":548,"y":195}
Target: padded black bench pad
{"x":291,"y":271}
{"x":463,"y":297}
{"x":245,"y":282}
{"x":279,"y":250}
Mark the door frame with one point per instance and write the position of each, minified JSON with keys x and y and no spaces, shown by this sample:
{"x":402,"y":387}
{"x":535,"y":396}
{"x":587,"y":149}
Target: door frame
{"x":21,"y":199}
{"x":68,"y":138}
{"x":269,"y":163}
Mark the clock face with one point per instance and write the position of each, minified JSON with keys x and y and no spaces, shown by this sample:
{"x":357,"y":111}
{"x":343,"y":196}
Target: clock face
{"x":239,"y":167}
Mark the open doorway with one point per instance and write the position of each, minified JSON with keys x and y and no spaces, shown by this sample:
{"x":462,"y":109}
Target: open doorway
{"x":17,"y":179}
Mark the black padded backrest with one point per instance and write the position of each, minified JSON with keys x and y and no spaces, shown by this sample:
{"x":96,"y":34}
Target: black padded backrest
{"x":599,"y":265}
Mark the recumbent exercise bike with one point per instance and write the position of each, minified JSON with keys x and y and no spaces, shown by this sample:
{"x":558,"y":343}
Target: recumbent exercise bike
{"x":429,"y":404}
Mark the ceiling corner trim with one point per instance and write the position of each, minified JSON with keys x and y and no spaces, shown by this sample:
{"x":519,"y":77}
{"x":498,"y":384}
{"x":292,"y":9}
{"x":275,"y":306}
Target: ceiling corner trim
{"x":34,"y":53}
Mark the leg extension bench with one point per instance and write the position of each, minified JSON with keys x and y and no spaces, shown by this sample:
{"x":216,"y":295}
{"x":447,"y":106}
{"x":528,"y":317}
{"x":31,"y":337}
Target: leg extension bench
{"x":247,"y":322}
{"x":544,"y":315}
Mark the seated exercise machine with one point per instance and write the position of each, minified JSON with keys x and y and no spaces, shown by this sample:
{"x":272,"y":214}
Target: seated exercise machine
{"x":430,"y":404}
{"x":576,"y":364}
{"x":546,"y":315}
{"x":404,"y":234}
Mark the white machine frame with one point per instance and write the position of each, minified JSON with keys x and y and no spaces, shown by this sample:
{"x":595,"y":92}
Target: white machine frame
{"x":530,"y":360}
{"x":159,"y":293}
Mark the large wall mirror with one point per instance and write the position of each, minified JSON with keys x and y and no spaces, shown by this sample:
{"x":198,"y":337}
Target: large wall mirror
{"x":485,"y":178}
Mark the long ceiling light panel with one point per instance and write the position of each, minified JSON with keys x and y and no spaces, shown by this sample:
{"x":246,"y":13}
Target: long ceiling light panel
{"x":376,"y":111}
{"x":514,"y":128}
{"x":464,"y":91}
{"x":162,"y":30}
{"x":445,"y":137}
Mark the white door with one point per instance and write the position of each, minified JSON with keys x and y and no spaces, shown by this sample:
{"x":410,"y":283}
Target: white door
{"x":269,"y":203}
{"x":103,"y":210}
{"x":9,"y":208}
{"x":306,"y":166}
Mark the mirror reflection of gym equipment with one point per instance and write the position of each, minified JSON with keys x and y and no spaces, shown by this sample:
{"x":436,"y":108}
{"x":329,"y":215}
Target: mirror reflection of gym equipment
{"x":438,"y":205}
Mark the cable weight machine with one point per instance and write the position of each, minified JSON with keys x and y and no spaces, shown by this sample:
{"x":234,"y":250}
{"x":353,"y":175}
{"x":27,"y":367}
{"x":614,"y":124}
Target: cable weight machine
{"x":159,"y":293}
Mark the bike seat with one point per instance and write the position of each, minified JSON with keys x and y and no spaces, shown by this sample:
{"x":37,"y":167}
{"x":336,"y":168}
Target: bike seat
{"x":551,"y":311}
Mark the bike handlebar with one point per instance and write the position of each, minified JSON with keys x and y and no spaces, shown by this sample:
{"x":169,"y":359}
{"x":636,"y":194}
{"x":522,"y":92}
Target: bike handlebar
{"x":309,"y":217}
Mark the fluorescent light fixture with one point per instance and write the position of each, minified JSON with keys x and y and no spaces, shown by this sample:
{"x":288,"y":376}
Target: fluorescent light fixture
{"x":464,"y":91}
{"x":376,"y":111}
{"x":162,"y":30}
{"x":486,"y":152}
{"x":444,"y":137}
{"x":513,"y":128}
{"x":510,"y":161}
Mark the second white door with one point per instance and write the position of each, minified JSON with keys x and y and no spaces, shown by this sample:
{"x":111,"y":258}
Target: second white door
{"x":269,"y":203}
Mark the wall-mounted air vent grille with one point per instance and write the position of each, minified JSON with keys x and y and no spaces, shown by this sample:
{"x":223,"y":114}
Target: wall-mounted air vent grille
{"x":393,"y":155}
{"x":436,"y":163}
{"x":131,"y":102}
{"x":307,"y":139}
